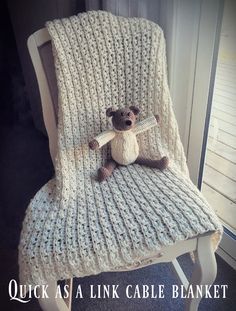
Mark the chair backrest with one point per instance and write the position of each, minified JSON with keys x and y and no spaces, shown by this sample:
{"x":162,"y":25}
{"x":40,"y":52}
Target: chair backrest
{"x":40,"y":49}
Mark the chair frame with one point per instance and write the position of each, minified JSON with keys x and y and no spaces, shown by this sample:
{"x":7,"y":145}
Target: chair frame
{"x":205,"y":268}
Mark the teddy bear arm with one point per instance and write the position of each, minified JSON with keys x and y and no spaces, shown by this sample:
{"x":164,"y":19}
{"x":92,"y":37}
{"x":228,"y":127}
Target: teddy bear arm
{"x":146,"y":124}
{"x":102,"y":139}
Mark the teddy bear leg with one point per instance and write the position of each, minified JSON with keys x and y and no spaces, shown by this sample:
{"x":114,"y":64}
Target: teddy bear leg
{"x":106,"y":170}
{"x":160,"y":164}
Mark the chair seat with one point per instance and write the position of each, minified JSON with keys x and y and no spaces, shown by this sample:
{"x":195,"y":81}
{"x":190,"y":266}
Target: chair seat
{"x":134,"y":212}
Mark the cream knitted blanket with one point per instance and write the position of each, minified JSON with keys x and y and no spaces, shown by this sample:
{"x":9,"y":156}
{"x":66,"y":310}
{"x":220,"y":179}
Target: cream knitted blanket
{"x":75,"y":226}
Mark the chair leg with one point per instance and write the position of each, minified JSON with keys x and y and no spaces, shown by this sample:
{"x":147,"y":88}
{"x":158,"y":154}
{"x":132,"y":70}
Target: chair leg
{"x":52,"y":303}
{"x":204,"y":272}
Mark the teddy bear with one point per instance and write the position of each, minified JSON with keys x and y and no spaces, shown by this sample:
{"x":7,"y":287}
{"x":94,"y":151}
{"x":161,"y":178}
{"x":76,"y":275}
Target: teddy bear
{"x":124,"y":145}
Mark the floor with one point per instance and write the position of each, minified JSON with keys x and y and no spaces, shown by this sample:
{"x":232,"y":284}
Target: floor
{"x":219,"y":181}
{"x":25,"y":166}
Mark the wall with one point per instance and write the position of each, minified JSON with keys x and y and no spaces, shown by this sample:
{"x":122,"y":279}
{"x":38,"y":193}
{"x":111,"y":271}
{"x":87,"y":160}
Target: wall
{"x":14,"y":104}
{"x":227,"y":51}
{"x":28,"y":16}
{"x":180,"y":22}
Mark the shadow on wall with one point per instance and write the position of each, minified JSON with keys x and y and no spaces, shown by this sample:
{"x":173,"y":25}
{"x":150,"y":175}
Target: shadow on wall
{"x":14,"y":104}
{"x":38,"y":12}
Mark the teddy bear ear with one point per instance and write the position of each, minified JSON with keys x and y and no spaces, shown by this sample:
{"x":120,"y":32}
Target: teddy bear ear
{"x":110,"y":112}
{"x":134,"y":109}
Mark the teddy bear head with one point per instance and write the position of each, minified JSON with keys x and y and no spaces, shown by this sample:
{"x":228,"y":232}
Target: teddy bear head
{"x":123,"y":119}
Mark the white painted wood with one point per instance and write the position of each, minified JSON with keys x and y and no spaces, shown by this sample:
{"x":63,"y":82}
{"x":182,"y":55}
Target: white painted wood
{"x":228,"y":88}
{"x":221,"y":165}
{"x":180,"y":22}
{"x":224,"y":138}
{"x":227,"y":258}
{"x":223,"y":125}
{"x":218,"y":96}
{"x":223,"y":157}
{"x":208,"y":33}
{"x":229,"y":245}
{"x":223,"y":65}
{"x":229,"y":67}
{"x":227,"y":109}
{"x":231,"y":64}
{"x":166,"y":254}
{"x":225,"y":77}
{"x":221,"y":149}
{"x":41,"y":36}
{"x":34,"y":42}
{"x":52,"y":303}
{"x":204,"y":272}
{"x":221,"y":115}
{"x":180,"y":273}
{"x":228,"y":227}
{"x":220,"y":183}
{"x":230,"y":74}
{"x":226,"y":94}
{"x":224,"y":208}
{"x":224,"y":81}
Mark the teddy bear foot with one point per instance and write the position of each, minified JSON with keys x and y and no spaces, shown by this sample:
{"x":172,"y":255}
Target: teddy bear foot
{"x":103,"y":173}
{"x":159,"y":164}
{"x":162,"y":163}
{"x":106,"y":170}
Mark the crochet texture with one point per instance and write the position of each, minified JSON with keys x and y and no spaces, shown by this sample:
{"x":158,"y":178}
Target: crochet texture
{"x":75,"y":226}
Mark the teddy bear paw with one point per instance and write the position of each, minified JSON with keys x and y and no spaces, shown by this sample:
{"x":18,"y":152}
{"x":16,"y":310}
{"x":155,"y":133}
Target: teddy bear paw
{"x":103,"y":173}
{"x":93,"y":144}
{"x":163,"y":163}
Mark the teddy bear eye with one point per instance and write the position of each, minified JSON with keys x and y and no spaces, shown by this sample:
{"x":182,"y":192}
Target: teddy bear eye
{"x":122,"y":114}
{"x":128,"y":114}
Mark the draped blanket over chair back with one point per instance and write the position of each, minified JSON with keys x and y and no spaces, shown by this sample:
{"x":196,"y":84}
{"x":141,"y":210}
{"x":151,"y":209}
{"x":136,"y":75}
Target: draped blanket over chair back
{"x":75,"y":226}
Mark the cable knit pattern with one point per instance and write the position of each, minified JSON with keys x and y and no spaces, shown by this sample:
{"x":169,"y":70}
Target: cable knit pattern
{"x":75,"y":226}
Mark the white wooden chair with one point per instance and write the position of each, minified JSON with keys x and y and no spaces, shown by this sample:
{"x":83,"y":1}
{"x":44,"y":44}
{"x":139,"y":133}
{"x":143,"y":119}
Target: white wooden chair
{"x":204,"y":272}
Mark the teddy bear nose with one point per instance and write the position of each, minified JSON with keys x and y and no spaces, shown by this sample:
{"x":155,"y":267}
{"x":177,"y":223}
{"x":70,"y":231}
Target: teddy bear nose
{"x":128,"y":122}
